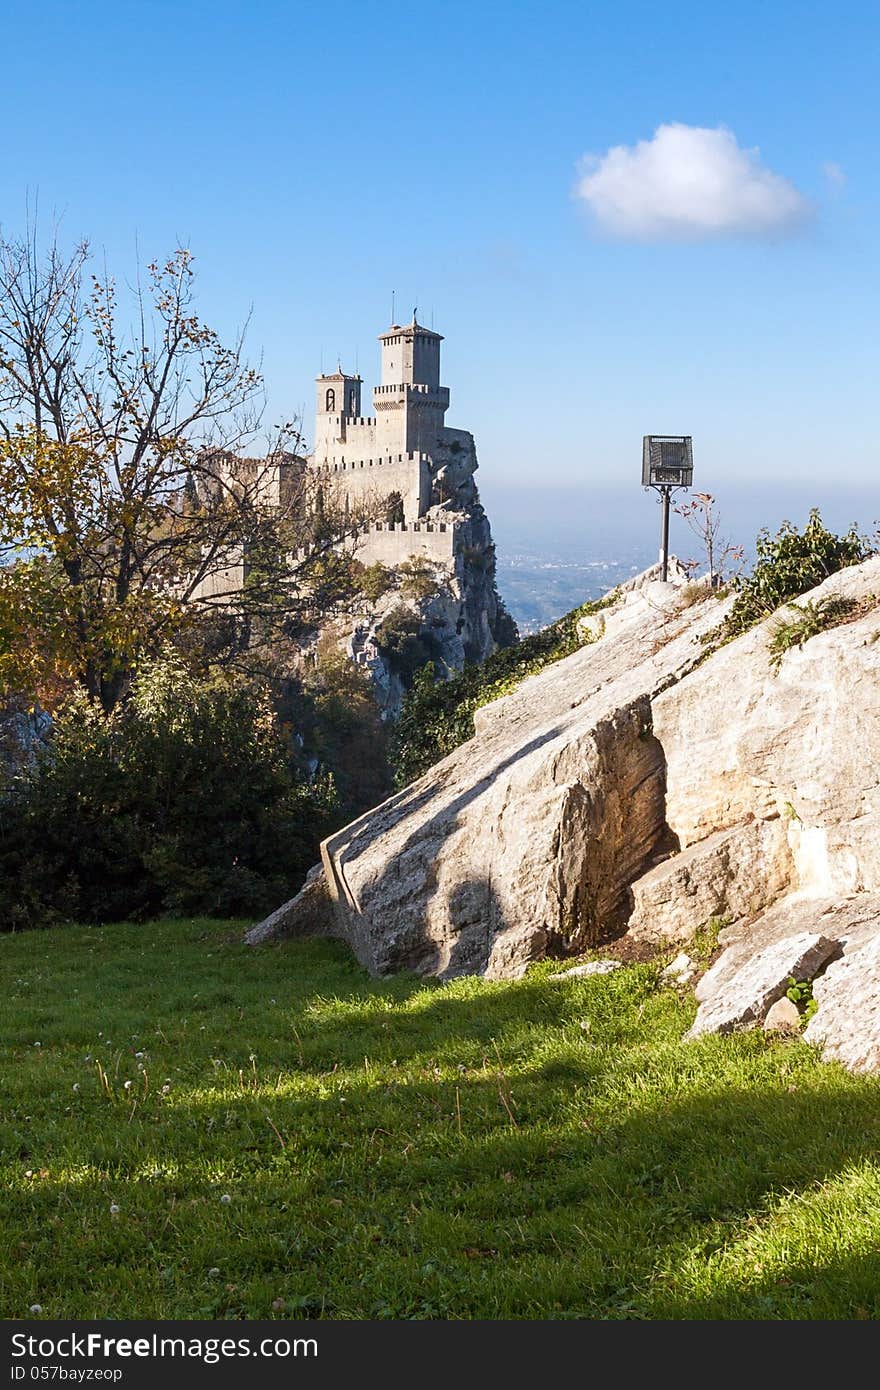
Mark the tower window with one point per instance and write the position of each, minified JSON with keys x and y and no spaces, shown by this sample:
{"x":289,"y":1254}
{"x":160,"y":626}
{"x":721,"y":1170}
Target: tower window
{"x":330,"y":400}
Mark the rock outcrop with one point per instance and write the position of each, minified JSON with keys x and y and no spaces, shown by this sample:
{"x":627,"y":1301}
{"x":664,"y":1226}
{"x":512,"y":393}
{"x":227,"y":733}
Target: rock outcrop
{"x":643,"y":786}
{"x":525,"y":841}
{"x":737,"y":992}
{"x":451,"y":606}
{"x":846,"y":1024}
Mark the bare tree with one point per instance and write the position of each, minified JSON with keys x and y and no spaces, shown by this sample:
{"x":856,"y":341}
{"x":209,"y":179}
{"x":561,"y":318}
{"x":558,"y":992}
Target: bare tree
{"x":724,"y":559}
{"x":128,"y":513}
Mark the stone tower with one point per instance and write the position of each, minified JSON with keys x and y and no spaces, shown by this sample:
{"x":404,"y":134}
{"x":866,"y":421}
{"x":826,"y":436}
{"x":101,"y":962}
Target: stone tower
{"x":338,"y":405}
{"x":410,"y":403}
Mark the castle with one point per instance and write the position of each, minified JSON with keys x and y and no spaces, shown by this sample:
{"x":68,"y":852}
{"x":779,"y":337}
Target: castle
{"x":404,"y":448}
{"x":413,"y":476}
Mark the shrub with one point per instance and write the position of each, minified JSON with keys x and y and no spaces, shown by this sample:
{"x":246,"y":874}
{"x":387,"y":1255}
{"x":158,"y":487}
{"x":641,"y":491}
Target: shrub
{"x":404,"y":644}
{"x":800,"y":992}
{"x":333,"y":710}
{"x":806,"y":621}
{"x":184,"y":800}
{"x":788,"y":564}
{"x":374,"y":581}
{"x":417,"y":579}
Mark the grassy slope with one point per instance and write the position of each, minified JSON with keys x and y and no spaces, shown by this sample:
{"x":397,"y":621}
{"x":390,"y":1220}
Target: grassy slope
{"x":533,"y":1149}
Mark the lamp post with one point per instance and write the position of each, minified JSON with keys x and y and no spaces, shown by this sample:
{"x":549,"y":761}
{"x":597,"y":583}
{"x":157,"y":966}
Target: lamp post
{"x":667,"y":466}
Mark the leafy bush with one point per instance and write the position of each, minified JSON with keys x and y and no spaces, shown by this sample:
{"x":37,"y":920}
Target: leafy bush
{"x":333,"y":710}
{"x":373,"y":581}
{"x":404,"y":644}
{"x":788,"y":564}
{"x":417,"y":579}
{"x":807,"y":620}
{"x":184,"y":800}
{"x":437,"y":716}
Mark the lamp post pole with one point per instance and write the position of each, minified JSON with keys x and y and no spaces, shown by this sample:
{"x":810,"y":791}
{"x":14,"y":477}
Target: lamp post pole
{"x":665,"y":495}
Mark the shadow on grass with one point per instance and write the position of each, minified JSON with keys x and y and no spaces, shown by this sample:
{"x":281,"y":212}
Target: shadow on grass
{"x":547,"y":1176}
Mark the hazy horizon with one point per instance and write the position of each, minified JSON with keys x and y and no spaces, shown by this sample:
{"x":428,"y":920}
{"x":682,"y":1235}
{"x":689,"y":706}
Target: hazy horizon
{"x":559,"y":546}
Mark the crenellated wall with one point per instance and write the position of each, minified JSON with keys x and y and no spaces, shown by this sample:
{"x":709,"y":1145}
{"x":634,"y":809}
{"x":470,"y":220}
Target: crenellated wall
{"x":390,"y":544}
{"x":367,"y":480}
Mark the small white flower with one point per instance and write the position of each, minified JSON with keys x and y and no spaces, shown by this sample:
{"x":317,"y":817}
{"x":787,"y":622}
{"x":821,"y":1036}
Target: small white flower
{"x":88,"y":1058}
{"x":140,"y":1066}
{"x":76,"y":1085}
{"x":114,"y":1210}
{"x":226,"y":1197}
{"x":165,"y":1090}
{"x":38,"y":1044}
{"x":138,"y":1054}
{"x":29,"y":1172}
{"x":128,"y":1085}
{"x":36,"y":1308}
{"x":214,"y":1273}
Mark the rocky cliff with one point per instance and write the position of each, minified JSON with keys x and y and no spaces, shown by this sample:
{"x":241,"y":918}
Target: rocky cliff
{"x":453,"y":609}
{"x":639,"y":789}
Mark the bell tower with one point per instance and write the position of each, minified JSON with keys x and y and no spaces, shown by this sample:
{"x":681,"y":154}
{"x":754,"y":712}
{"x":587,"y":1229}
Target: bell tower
{"x":338,"y":401}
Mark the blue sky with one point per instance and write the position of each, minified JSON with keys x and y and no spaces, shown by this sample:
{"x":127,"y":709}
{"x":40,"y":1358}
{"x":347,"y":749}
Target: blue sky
{"x":317,"y":158}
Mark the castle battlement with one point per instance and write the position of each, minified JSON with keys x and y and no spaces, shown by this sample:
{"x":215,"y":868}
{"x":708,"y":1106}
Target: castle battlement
{"x":442,"y":392}
{"x":391,"y":543}
{"x":349,"y":465}
{"x":426,"y":526}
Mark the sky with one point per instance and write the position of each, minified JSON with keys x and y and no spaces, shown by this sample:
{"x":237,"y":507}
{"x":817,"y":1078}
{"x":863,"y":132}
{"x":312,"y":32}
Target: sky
{"x":625,"y":219}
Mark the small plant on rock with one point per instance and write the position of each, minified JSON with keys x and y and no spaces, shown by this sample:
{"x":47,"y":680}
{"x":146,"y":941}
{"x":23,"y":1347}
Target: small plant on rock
{"x":704,"y":943}
{"x":806,"y":621}
{"x":800,"y":992}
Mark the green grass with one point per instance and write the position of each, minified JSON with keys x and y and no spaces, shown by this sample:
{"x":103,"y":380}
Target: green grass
{"x":534,"y":1149}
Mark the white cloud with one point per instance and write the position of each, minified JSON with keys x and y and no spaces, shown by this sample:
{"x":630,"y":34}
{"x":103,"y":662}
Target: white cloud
{"x":686,"y":184}
{"x":834,"y":174}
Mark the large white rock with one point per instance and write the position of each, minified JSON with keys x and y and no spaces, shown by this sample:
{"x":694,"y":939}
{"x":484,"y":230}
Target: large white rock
{"x":847,"y":1022}
{"x":803,"y":742}
{"x":642,"y":782}
{"x":738,"y":992}
{"x":525,"y":840}
{"x":733,"y":873}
